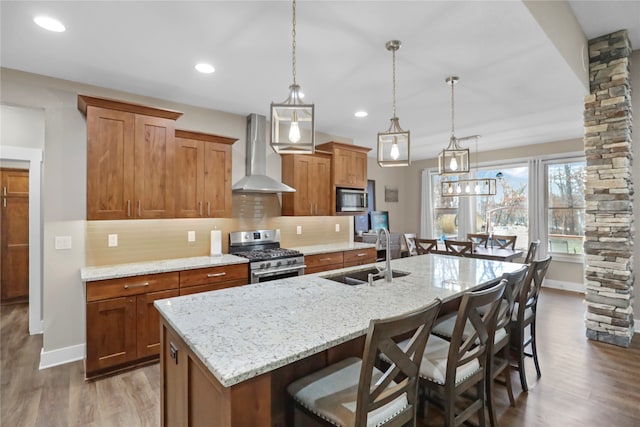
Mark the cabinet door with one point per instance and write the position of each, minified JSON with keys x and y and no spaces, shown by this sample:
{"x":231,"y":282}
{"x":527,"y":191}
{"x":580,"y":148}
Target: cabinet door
{"x":217,"y":180}
{"x":14,"y":252}
{"x":111,"y":333}
{"x":320,"y":186}
{"x":154,"y":166}
{"x":359,"y":169}
{"x":110,"y":145}
{"x":189,"y":178}
{"x":343,"y":172}
{"x":149,"y":322}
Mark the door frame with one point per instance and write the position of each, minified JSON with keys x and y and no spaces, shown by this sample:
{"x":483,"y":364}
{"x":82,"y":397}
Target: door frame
{"x":34,"y":157}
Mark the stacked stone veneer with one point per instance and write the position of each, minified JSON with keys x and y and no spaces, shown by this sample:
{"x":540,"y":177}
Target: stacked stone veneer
{"x":609,"y":192}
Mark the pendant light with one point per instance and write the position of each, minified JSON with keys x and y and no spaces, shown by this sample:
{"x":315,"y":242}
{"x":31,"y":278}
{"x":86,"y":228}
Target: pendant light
{"x":469,"y":187}
{"x":394,"y":143}
{"x":454,"y":160}
{"x":292,"y":121}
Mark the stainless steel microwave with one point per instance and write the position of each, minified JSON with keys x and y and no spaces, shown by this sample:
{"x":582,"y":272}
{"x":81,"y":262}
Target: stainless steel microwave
{"x":351,"y":200}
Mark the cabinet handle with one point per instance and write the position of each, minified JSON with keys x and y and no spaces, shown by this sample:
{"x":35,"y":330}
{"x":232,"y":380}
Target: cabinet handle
{"x":173,"y":352}
{"x":208,"y":208}
{"x":139,"y":285}
{"x":361,"y":255}
{"x":216,"y":274}
{"x":4,"y":202}
{"x":325,"y":259}
{"x":139,"y":208}
{"x":200,"y":204}
{"x":4,"y":191}
{"x":128,"y":207}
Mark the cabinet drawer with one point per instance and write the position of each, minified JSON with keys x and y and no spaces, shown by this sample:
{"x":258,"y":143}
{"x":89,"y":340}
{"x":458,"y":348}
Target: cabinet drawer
{"x":211,"y":287}
{"x":322,"y":268}
{"x":223,"y":273}
{"x":319,"y":260}
{"x":125,"y":286}
{"x":362,"y":256}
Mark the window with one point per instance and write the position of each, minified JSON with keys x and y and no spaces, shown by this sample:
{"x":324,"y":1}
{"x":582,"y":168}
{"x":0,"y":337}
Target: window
{"x":566,"y":206}
{"x":445,"y":211}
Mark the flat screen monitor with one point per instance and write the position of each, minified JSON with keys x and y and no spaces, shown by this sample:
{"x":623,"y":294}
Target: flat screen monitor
{"x":379,"y":219}
{"x":361,"y":223}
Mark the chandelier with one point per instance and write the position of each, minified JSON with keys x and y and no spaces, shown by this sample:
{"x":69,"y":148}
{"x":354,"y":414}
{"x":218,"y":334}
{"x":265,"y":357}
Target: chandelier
{"x":393,"y":144}
{"x":292,"y":121}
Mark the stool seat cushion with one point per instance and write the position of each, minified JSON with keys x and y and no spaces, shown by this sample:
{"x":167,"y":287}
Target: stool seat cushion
{"x":445,"y":329}
{"x":331,"y":394}
{"x":434,"y":362}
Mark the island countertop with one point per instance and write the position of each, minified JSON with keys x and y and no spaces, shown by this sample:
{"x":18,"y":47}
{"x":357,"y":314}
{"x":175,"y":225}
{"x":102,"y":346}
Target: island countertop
{"x":240,"y":333}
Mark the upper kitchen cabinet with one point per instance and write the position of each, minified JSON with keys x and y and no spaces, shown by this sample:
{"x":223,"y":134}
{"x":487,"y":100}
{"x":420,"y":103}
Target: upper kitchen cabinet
{"x":310,"y":175}
{"x":130,"y":159}
{"x":349,"y":164}
{"x":203,"y":175}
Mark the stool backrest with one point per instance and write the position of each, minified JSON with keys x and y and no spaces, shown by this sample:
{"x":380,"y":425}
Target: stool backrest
{"x":528,"y":297}
{"x":405,"y":363}
{"x":531,"y":253}
{"x":515,"y":282}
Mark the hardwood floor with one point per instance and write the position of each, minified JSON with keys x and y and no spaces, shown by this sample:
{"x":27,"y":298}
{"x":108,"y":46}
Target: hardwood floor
{"x":583,"y":383}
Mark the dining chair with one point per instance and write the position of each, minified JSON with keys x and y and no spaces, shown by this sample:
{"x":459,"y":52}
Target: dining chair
{"x":480,"y":239}
{"x":531,"y":253}
{"x":425,"y":246}
{"x":497,"y":357}
{"x":451,"y":368}
{"x":524,"y":316}
{"x":504,"y":242}
{"x":409,"y":241}
{"x":355,"y":393}
{"x":458,"y":247}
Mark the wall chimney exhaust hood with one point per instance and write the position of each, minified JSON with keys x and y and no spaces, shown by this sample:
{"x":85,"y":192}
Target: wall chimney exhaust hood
{"x":256,"y":180}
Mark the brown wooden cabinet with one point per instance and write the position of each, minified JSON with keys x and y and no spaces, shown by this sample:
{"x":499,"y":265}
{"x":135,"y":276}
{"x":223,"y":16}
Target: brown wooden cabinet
{"x":213,"y":278}
{"x":130,"y":159}
{"x":333,"y":260}
{"x":310,"y":175}
{"x":122,"y":325}
{"x":348,"y":168}
{"x":14,"y":249}
{"x":203,"y":175}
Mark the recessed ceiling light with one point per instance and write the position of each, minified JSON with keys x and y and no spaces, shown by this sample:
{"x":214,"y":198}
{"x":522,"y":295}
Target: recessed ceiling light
{"x":49,"y":24}
{"x":205,"y":68}
{"x":361,"y":114}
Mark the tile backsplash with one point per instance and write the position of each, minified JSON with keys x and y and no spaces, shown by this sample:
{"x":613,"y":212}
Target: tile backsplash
{"x":155,"y":239}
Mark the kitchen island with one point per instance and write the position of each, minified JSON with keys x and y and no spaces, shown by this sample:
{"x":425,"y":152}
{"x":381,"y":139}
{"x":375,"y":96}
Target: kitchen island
{"x":227,"y":356}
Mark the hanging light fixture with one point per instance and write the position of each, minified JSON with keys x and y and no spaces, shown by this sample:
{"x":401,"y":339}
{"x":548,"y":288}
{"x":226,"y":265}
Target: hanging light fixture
{"x":469,"y":187}
{"x":292,"y":121}
{"x":393,"y":144}
{"x":454,"y":160}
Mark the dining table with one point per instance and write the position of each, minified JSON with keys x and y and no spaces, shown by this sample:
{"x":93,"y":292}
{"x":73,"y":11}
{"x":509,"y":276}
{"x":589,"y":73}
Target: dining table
{"x":482,"y":252}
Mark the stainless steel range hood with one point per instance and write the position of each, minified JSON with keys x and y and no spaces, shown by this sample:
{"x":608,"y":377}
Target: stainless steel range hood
{"x":256,"y":180}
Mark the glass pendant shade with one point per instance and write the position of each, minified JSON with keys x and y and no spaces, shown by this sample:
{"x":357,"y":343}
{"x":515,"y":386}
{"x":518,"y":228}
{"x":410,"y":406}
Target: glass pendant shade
{"x":453,"y":160}
{"x":293,"y":125}
{"x":468,"y":187}
{"x":394,"y":146}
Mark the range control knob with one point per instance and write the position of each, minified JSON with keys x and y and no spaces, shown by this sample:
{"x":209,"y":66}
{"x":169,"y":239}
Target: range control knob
{"x":268,"y":265}
{"x":263,"y":265}
{"x":278,"y":264}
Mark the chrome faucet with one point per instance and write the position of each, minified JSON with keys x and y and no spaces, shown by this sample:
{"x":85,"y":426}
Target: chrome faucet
{"x":388,"y":275}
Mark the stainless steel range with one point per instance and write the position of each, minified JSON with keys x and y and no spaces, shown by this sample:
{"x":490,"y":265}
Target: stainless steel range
{"x":267,"y":260}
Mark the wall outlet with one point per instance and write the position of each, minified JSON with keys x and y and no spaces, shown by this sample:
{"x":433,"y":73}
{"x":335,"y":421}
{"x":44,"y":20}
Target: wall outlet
{"x":191,"y":236}
{"x":337,"y":228}
{"x":298,"y":229}
{"x":63,"y":242}
{"x":113,"y":240}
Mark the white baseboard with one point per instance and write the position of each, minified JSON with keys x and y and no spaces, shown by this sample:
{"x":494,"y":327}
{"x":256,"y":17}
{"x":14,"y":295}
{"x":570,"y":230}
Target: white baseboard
{"x":49,"y":359}
{"x":37,"y":329}
{"x":566,"y":286}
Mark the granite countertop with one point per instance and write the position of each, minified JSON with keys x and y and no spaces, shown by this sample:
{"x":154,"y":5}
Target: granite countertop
{"x":242,"y":332}
{"x":332,"y":247}
{"x":89,"y":274}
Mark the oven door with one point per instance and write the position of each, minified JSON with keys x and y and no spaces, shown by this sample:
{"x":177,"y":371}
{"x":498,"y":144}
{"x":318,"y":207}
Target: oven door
{"x":281,"y":273}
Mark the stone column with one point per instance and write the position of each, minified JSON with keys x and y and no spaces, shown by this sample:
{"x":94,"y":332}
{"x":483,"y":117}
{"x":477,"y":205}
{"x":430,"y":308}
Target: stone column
{"x":609,"y":192}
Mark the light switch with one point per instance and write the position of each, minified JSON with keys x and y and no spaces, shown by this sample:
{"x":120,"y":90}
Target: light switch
{"x":63,"y":242}
{"x":191,"y":236}
{"x":113,"y":240}
{"x":299,"y":229}
{"x":337,"y":228}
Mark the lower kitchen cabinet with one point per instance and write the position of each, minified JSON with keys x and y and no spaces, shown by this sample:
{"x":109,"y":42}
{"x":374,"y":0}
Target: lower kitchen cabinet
{"x":359,"y":257}
{"x":341,"y":259}
{"x":213,"y":278}
{"x":122,"y":325}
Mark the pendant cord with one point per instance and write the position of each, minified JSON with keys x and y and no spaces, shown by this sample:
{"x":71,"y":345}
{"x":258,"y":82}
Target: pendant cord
{"x":293,"y":46}
{"x":394,"y":82}
{"x":452,"y":109}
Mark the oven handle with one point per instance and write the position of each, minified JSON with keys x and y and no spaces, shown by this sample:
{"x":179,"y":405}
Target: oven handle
{"x":282,"y":270}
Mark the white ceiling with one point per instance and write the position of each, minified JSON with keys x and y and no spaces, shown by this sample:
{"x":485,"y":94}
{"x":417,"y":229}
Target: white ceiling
{"x":515,"y":87}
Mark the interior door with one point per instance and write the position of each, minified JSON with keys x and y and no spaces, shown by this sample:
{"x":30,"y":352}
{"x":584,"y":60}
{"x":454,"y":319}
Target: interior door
{"x":14,"y":218}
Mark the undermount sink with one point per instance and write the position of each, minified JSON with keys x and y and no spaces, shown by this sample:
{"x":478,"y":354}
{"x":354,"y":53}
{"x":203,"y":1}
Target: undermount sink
{"x":360,"y":277}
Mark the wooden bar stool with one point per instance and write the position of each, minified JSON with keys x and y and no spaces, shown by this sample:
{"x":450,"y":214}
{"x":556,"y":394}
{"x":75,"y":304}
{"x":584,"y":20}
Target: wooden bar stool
{"x":354,"y":393}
